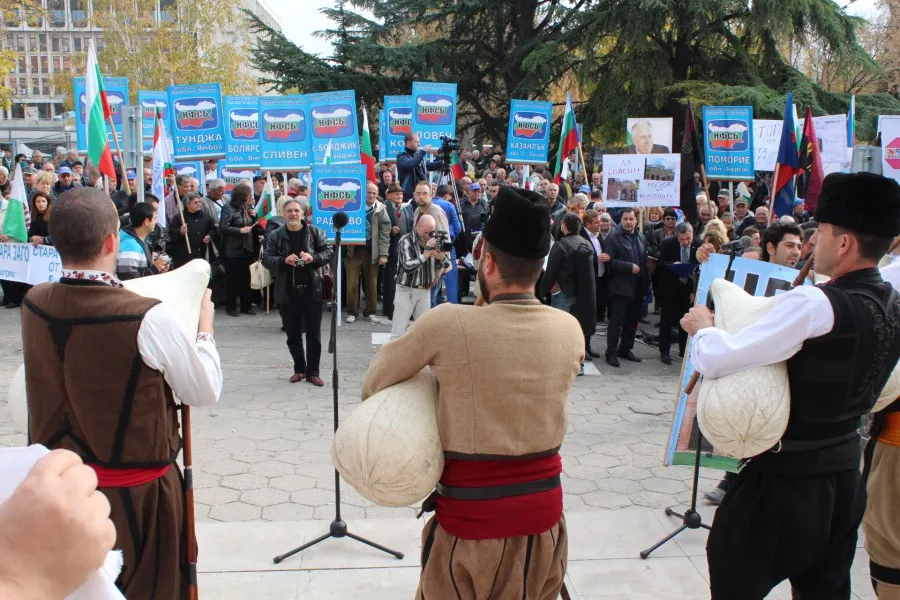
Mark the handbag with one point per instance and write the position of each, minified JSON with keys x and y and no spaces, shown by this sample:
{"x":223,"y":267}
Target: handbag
{"x":217,"y":265}
{"x":260,"y":276}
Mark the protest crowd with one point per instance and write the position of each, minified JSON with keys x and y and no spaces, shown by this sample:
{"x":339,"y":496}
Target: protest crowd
{"x":440,"y":232}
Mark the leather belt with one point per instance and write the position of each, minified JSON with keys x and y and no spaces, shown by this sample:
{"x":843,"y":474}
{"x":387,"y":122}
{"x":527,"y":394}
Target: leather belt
{"x":498,"y":491}
{"x":809,"y":445}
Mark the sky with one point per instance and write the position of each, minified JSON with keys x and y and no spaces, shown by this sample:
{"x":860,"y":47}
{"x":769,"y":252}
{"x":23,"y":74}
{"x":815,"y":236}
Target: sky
{"x":300,"y":19}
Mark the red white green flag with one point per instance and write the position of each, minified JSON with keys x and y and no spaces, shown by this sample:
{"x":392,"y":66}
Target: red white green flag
{"x":162,"y":167}
{"x":96,"y":114}
{"x":569,"y":139}
{"x":18,"y":217}
{"x":366,"y":155}
{"x":265,"y":208}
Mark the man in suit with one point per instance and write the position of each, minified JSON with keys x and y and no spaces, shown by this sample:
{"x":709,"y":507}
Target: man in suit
{"x":675,"y":290}
{"x":591,"y":232}
{"x":394,"y":194}
{"x":413,"y":165}
{"x":628,"y":283}
{"x":642,"y":140}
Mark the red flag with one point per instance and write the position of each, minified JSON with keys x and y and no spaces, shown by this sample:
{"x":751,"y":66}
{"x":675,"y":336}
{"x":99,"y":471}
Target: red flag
{"x":809,"y":185}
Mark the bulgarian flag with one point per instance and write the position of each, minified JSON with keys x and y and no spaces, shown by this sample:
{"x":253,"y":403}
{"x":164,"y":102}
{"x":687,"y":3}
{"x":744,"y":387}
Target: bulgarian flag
{"x":265,"y":208}
{"x":327,"y":159}
{"x":365,"y":147}
{"x":18,"y":217}
{"x":568,"y":138}
{"x":162,"y":167}
{"x":456,"y":166}
{"x":96,"y":114}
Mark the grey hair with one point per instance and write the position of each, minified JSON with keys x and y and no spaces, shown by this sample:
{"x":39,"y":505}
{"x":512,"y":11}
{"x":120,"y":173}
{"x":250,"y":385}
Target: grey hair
{"x":4,"y":170}
{"x":683,"y":227}
{"x":605,"y":217}
{"x":214,"y":184}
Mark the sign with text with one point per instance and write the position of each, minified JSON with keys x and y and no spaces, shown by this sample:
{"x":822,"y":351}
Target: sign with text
{"x":29,"y":264}
{"x":382,"y":141}
{"x":150,"y":101}
{"x":766,"y":137}
{"x":641,"y":180}
{"x":728,"y":137}
{"x":333,"y":118}
{"x":340,"y":188}
{"x":434,"y":111}
{"x":398,"y":122}
{"x":528,"y":137}
{"x":285,"y":133}
{"x":889,"y":128}
{"x":831,"y":131}
{"x":116,"y":93}
{"x":242,"y":147}
{"x":196,"y":117}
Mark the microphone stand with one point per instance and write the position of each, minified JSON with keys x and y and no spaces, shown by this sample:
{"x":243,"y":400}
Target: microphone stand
{"x":338,"y":528}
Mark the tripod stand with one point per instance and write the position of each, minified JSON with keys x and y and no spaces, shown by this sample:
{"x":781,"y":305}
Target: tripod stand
{"x":338,"y":527}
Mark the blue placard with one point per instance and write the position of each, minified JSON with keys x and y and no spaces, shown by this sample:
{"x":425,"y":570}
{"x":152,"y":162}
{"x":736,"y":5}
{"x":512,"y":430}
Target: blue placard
{"x":149,"y":101}
{"x":233,"y":176}
{"x":117,"y":96}
{"x":434,"y":111}
{"x":196,"y":116}
{"x":284,"y":123}
{"x":192,"y":168}
{"x":242,"y":137}
{"x":333,"y":117}
{"x":382,"y":141}
{"x":398,"y":122}
{"x":337,"y":188}
{"x":728,"y":135}
{"x":528,"y":139}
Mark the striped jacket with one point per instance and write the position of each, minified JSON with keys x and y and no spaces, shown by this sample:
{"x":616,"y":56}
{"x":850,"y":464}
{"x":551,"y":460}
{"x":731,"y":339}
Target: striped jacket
{"x":415,"y":269}
{"x":134,"y":256}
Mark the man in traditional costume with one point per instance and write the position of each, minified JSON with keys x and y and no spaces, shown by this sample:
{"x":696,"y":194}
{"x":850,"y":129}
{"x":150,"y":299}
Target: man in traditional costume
{"x":504,"y":372}
{"x":793,"y":511}
{"x":101,"y":367}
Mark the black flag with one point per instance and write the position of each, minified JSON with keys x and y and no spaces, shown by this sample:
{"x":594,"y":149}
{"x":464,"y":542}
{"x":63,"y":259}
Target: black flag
{"x":691,"y":162}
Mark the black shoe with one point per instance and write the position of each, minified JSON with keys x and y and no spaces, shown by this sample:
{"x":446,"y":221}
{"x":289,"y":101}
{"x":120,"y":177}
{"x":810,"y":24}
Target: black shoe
{"x":665,"y":359}
{"x":592,"y":354}
{"x":232,"y":312}
{"x":250,"y":311}
{"x":612,"y":361}
{"x":629,"y":356}
{"x":12,"y":305}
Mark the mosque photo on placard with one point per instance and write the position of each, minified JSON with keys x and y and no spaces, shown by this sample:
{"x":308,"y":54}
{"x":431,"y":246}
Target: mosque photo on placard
{"x":622,"y":190}
{"x":660,"y":168}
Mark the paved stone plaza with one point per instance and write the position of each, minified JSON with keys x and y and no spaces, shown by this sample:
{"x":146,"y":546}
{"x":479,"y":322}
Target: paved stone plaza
{"x":264,"y":479}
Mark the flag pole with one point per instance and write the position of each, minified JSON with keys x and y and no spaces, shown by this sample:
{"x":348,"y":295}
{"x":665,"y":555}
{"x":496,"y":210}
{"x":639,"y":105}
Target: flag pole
{"x":187,"y":241}
{"x":112,"y":126}
{"x":772,"y":193}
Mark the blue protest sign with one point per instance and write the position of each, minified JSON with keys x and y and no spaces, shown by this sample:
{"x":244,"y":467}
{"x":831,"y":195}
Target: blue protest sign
{"x":242,"y":146}
{"x":196,"y":117}
{"x":528,"y":139}
{"x":192,"y":168}
{"x":149,"y":102}
{"x":333,"y":118}
{"x":116,"y":93}
{"x":337,"y":188}
{"x":728,"y":134}
{"x":382,"y":141}
{"x":285,"y":133}
{"x":233,"y":175}
{"x":434,"y":111}
{"x":398,"y":112}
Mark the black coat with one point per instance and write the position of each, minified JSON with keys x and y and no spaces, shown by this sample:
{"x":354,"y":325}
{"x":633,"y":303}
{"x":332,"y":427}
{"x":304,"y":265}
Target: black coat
{"x":572,"y":265}
{"x":413,"y":167}
{"x":234,"y":243}
{"x":278,"y":247}
{"x":199,"y":225}
{"x":622,"y":283}
{"x":671,"y":288}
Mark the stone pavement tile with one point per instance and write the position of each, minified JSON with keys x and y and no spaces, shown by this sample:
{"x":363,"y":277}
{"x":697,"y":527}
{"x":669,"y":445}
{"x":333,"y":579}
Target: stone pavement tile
{"x":227,"y":547}
{"x":250,"y":586}
{"x":402,"y":535}
{"x":672,"y":578}
{"x":370,"y":584}
{"x":615,"y":534}
{"x":235,"y":511}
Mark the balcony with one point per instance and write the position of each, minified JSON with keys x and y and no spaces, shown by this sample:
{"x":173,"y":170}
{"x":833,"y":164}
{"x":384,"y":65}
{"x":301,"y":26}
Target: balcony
{"x":57,"y":18}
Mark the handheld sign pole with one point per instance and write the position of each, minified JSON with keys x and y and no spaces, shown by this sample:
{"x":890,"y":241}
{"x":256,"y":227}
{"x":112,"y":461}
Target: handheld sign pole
{"x":189,"y":518}
{"x":187,"y":241}
{"x":121,"y":156}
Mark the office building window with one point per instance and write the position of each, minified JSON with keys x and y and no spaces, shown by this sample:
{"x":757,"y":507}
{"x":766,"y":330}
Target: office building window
{"x":57,"y":64}
{"x":56,"y":10}
{"x":23,"y":65}
{"x":32,"y":42}
{"x":35,"y":86}
{"x":76,"y":43}
{"x":20,"y":42}
{"x":45,"y":86}
{"x":78,"y":10}
{"x":34,"y":64}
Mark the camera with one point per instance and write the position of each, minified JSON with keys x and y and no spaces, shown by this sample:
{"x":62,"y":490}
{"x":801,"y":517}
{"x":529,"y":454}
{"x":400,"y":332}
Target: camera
{"x":442,"y":241}
{"x":449,"y":145}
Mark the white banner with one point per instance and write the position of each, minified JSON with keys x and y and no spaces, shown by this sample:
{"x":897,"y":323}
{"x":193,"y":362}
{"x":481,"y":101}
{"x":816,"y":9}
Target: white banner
{"x":832,"y":133}
{"x":30,"y":264}
{"x":641,"y":180}
{"x":766,"y":137}
{"x":889,"y":127}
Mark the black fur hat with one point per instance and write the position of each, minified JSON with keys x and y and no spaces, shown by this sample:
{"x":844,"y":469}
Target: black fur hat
{"x":519,"y":224}
{"x":861,"y":202}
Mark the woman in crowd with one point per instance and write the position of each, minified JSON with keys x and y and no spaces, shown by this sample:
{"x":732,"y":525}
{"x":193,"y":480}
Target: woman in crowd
{"x":240,"y":235}
{"x":198,"y":227}
{"x":39,"y":231}
{"x":714,"y":233}
{"x":728,"y":220}
{"x":43,"y":182}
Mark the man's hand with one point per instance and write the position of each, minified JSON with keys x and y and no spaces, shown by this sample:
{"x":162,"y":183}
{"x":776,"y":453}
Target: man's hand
{"x":161,"y":264}
{"x":207,"y":313}
{"x":604,"y":258}
{"x":306,"y":258}
{"x":382,"y":260}
{"x":635,"y":269}
{"x":292,"y":260}
{"x":704,"y":252}
{"x":55,"y":529}
{"x":4,"y":239}
{"x":697,"y":318}
{"x":247,"y":229}
{"x":395,"y":230}
{"x":183,"y":230}
{"x":427,"y":148}
{"x":36,"y":240}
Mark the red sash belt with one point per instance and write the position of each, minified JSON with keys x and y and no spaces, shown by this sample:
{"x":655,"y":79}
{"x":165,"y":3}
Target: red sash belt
{"x":126,"y":478}
{"x":529,"y":514}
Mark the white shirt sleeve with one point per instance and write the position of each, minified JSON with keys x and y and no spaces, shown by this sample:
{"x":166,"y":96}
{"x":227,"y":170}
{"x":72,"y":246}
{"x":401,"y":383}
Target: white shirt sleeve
{"x":797,"y":316}
{"x":192,"y":369}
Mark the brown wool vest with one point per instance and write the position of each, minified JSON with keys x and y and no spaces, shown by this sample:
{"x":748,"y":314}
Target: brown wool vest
{"x":89,"y":390}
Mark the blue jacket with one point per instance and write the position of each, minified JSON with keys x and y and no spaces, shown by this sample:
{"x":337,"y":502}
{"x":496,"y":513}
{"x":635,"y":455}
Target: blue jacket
{"x":452,"y":216}
{"x":412,"y":167}
{"x":134,"y":256}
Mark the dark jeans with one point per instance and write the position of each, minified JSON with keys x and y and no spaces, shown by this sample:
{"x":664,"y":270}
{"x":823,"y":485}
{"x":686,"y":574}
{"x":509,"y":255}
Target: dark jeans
{"x":603,"y":307}
{"x":671,"y":313}
{"x":237,"y":283}
{"x":13,"y":291}
{"x":388,"y":282}
{"x":302,"y":312}
{"x":623,"y":320}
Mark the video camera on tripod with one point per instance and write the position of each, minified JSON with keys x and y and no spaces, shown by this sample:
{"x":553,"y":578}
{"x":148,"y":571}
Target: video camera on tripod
{"x":449,"y":145}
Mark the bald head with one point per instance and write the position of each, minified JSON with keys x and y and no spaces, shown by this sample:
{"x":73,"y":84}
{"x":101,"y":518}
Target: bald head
{"x":425,"y":225}
{"x":84,"y":218}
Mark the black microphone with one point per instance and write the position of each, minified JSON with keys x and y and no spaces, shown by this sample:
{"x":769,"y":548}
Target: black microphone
{"x":340,"y":220}
{"x":740,"y":244}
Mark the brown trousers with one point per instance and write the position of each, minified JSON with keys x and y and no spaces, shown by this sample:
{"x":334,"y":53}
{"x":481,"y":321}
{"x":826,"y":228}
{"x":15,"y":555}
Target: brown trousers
{"x":361,"y":262}
{"x":881,"y":522}
{"x":150,"y":532}
{"x":516,"y":568}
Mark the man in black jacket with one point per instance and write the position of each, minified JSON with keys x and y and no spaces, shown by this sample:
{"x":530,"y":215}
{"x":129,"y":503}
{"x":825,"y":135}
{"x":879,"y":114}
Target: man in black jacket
{"x":295,"y":253}
{"x":394,"y":204}
{"x":675,"y":288}
{"x":628,"y":283}
{"x":412,"y":166}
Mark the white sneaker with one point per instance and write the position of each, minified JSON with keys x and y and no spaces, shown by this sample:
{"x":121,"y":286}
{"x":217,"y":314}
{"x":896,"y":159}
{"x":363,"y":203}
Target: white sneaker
{"x":373,"y":319}
{"x":385,"y":321}
{"x":351,"y":319}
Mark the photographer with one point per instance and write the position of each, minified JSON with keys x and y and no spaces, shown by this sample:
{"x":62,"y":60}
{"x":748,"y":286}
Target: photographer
{"x":420,"y":268}
{"x":412,"y":167}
